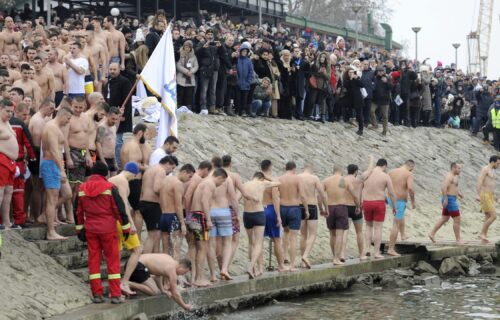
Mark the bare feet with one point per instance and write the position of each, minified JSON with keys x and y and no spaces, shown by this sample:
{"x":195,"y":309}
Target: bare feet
{"x":393,"y":253}
{"x":70,"y":221}
{"x":363,"y":258}
{"x":432,"y":238}
{"x":306,"y":263}
{"x":225,"y":276}
{"x":126,"y":289}
{"x":484,"y":239}
{"x":461,"y":242}
{"x":259,"y":273}
{"x":250,"y":274}
{"x":293,"y":269}
{"x":404,"y":238}
{"x":283,"y":269}
{"x":55,"y":236}
{"x":214,"y":280}
{"x":337,"y":262}
{"x":202,"y":284}
{"x":378,"y":256}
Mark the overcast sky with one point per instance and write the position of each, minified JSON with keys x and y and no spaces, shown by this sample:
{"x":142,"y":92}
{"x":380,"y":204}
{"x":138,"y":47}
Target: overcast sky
{"x":443,"y":22}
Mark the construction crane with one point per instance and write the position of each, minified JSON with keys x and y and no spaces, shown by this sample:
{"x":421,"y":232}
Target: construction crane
{"x":478,"y":42}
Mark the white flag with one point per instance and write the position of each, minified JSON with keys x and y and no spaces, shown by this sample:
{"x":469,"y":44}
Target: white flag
{"x":158,"y":76}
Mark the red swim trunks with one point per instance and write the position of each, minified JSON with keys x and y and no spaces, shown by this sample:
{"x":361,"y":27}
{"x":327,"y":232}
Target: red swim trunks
{"x":7,"y":171}
{"x":374,"y":210}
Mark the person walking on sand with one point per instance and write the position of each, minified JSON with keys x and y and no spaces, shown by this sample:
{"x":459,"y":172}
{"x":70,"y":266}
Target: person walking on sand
{"x":486,"y":195}
{"x":450,"y":192}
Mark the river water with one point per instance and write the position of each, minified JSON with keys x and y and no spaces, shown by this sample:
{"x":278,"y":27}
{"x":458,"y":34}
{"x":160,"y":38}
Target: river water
{"x":462,"y":298}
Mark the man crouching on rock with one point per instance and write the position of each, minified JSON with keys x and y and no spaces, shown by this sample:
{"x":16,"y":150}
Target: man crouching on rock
{"x":160,"y":265}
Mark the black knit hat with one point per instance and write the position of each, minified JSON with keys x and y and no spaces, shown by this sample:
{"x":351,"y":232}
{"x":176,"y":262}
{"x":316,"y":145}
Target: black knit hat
{"x":100,"y":168}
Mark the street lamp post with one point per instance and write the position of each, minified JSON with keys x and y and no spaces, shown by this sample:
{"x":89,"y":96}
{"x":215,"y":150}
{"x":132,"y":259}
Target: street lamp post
{"x":456,"y":46}
{"x":356,"y":9}
{"x":416,"y":30}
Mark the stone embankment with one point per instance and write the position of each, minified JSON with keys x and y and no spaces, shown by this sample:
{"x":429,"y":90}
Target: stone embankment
{"x":249,"y":141}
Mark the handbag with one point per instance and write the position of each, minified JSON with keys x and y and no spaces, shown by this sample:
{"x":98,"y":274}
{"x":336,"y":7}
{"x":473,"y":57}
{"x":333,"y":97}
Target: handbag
{"x":313,"y":82}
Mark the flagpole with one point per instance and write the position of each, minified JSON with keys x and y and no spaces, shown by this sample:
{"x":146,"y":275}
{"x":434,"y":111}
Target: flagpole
{"x":130,"y":92}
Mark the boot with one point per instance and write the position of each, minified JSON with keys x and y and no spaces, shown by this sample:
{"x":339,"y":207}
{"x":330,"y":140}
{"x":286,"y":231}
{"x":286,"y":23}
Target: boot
{"x":323,"y":118}
{"x":230,"y":112}
{"x":211,"y":110}
{"x":98,"y":299}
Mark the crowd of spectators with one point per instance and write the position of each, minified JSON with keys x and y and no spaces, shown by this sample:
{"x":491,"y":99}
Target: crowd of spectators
{"x":236,"y":68}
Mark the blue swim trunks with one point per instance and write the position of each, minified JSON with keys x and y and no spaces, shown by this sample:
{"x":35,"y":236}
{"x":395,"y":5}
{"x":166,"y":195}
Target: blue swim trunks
{"x":50,"y":174}
{"x":452,"y":209}
{"x":400,"y":210}
{"x":291,"y":217}
{"x":271,"y":230}
{"x":222,"y":222}
{"x":169,"y":223}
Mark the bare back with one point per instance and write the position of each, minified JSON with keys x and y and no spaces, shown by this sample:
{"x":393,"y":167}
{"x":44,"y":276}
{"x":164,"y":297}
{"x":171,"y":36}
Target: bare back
{"x":204,"y":191}
{"x":376,"y":184}
{"x":152,"y":179}
{"x":36,"y":125}
{"x":290,"y":190}
{"x":312,"y":186}
{"x":224,"y":194}
{"x":399,"y":178}
{"x":168,"y":193}
{"x":336,"y":190}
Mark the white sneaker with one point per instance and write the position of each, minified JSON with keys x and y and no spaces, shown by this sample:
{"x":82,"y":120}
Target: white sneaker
{"x":204,"y":112}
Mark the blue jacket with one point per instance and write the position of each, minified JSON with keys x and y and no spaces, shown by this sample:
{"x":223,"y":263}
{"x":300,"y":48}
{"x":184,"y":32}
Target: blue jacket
{"x":244,"y":68}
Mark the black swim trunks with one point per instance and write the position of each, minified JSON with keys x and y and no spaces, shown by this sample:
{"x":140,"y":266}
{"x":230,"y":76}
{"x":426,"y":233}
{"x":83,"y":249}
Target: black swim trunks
{"x":313,"y":212}
{"x":34,"y":166}
{"x":254,"y":219}
{"x":111,"y":165}
{"x":140,"y":274}
{"x":351,"y":212}
{"x":135,"y":193}
{"x":151,"y":213}
{"x":77,"y":174}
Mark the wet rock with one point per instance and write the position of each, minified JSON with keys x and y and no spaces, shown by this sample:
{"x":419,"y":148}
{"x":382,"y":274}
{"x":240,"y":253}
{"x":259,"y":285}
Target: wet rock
{"x":473,"y":268}
{"x":484,"y":258}
{"x":404,"y":272}
{"x":233,"y":304}
{"x":425,"y":267}
{"x":451,"y":268}
{"x":428,"y":281}
{"x":487,"y":268}
{"x":405,"y":283}
{"x":140,"y":316}
{"x":464,"y":261}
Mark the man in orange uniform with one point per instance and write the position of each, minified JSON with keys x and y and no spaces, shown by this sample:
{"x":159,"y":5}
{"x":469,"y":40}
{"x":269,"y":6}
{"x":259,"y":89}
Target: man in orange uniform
{"x":98,"y":207}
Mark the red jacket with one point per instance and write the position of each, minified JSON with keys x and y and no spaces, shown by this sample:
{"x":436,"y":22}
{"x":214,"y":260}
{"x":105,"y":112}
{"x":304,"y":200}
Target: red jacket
{"x":333,"y":78}
{"x":98,"y":206}
{"x":23,"y":137}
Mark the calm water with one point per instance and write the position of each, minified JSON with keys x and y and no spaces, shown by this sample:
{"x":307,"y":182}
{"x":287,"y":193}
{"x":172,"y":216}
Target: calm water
{"x":467,"y":298}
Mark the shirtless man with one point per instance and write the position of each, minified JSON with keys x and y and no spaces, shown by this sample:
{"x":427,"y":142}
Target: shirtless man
{"x":292,"y":194}
{"x":162,"y":267}
{"x":77,"y":155}
{"x":65,"y":41}
{"x":5,"y":63}
{"x":198,"y":219}
{"x":9,"y":149}
{"x":149,"y":204}
{"x":60,"y":76}
{"x":374,"y":194}
{"x":402,"y":181}
{"x":51,"y":168}
{"x":35,"y":191}
{"x":116,"y":43}
{"x":137,"y":149}
{"x":204,"y":169}
{"x":13,"y":68}
{"x":106,"y":140}
{"x":337,"y":218}
{"x":30,"y":87}
{"x":45,"y":79}
{"x":100,"y":35}
{"x":99,"y":55}
{"x":356,"y":180}
{"x":486,"y":195}
{"x":254,"y":219}
{"x":55,"y":45}
{"x":222,"y":229}
{"x":120,"y":181}
{"x":10,"y":40}
{"x":449,"y":193}
{"x":172,"y":224}
{"x":96,"y":113}
{"x":238,"y":186}
{"x":309,"y":227}
{"x":271,"y":203}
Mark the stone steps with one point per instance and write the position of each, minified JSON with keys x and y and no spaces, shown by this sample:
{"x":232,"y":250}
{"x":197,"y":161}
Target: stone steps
{"x":53,"y":248}
{"x":83,"y":273}
{"x":39,"y":232}
{"x":73,"y":260}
